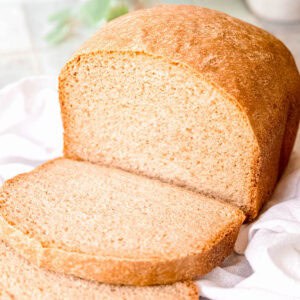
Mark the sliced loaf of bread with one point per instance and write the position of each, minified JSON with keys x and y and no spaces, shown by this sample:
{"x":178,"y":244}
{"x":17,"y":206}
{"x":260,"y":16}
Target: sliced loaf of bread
{"x":188,"y":95}
{"x":20,"y":280}
{"x":111,"y":226}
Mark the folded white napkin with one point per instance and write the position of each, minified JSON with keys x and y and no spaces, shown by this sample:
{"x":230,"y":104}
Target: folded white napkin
{"x":266,"y":262}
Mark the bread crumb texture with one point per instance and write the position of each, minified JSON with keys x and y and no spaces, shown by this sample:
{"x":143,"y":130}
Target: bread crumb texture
{"x":112,"y":226}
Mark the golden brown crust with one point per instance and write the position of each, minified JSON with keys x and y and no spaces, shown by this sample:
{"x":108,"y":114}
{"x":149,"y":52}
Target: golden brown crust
{"x":247,"y":65}
{"x":291,"y":129}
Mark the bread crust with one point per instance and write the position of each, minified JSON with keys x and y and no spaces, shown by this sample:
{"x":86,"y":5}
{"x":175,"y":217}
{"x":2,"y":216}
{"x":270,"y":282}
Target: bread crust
{"x":247,"y":65}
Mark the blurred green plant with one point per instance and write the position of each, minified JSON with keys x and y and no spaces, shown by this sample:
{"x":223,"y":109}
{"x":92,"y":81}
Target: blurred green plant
{"x":89,"y":13}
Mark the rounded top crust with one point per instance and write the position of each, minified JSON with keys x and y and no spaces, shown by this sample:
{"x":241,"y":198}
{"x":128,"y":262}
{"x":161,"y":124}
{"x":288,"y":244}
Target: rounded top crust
{"x":243,"y":62}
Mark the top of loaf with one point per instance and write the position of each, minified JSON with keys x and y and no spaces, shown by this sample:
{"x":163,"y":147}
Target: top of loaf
{"x":245,"y":63}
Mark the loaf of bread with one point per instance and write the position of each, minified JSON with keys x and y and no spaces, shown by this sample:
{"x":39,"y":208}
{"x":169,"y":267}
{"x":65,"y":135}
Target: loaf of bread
{"x":188,"y":95}
{"x":114,"y":227}
{"x":20,"y":280}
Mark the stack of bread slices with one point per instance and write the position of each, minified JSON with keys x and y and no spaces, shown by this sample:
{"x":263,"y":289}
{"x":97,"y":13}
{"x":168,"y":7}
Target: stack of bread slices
{"x":178,"y":122}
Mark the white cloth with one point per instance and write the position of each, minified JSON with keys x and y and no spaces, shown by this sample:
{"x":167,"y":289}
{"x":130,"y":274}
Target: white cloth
{"x":30,"y":125}
{"x":266,"y":262}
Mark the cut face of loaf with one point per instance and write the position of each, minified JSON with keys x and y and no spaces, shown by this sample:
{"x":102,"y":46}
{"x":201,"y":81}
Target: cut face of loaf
{"x":114,"y":227}
{"x":187,"y":95}
{"x":20,"y":280}
{"x":145,"y":115}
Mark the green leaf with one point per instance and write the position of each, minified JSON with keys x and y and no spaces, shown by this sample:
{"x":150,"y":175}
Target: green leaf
{"x":93,"y":11}
{"x":117,"y":11}
{"x":59,"y":33}
{"x":61,"y":16}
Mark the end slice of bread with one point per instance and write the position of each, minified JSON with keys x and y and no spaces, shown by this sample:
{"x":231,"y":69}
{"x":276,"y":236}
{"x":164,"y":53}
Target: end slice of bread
{"x":114,"y":227}
{"x":20,"y":280}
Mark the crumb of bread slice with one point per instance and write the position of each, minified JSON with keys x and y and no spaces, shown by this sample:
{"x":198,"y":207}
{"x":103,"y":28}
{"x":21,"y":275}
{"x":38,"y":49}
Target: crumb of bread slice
{"x":114,"y":227}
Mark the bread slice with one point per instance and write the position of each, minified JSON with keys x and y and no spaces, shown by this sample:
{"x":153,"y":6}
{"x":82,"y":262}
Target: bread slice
{"x":114,"y":227}
{"x":188,"y":95}
{"x":20,"y":280}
